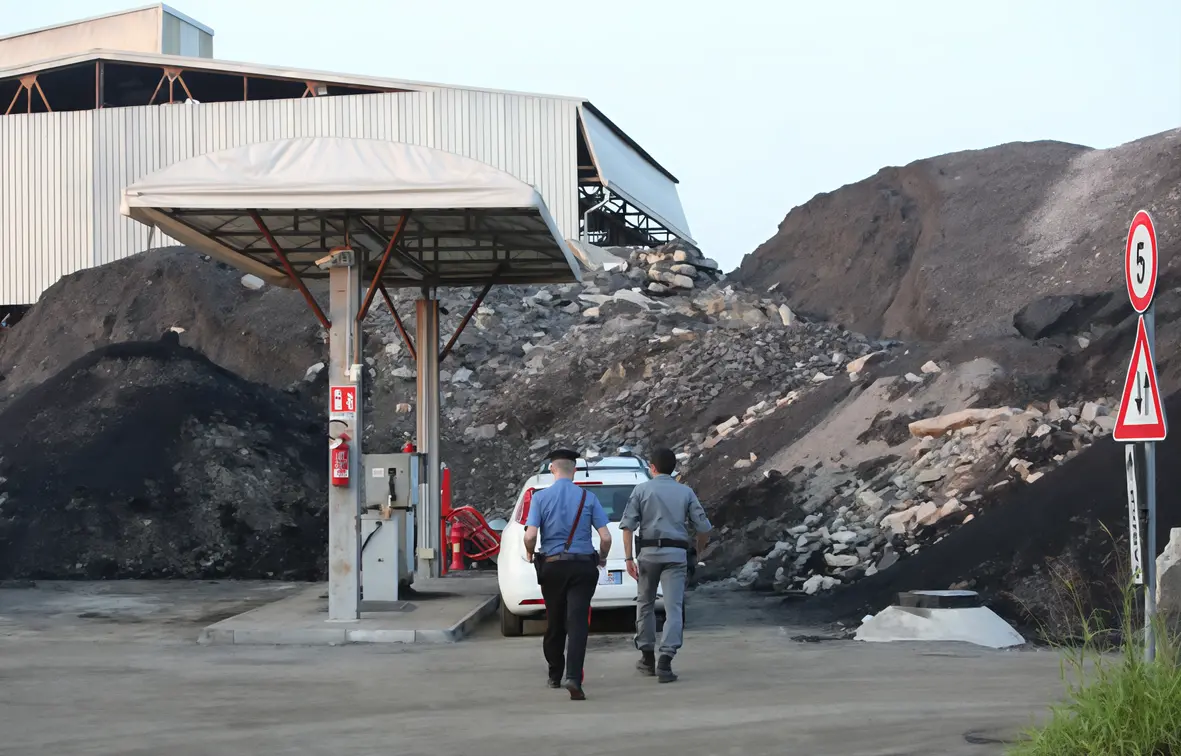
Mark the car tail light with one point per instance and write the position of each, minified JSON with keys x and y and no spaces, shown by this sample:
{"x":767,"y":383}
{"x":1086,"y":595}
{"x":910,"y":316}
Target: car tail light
{"x":532,"y":602}
{"x":521,"y":518}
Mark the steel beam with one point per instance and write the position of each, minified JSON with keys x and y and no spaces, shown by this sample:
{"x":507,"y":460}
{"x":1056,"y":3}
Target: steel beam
{"x":428,"y":556}
{"x":398,"y":321}
{"x":344,"y":502}
{"x":463,"y":323}
{"x":291,"y":271}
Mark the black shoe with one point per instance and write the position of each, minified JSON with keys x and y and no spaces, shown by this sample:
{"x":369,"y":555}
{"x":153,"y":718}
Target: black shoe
{"x":664,"y":670}
{"x":647,"y":663}
{"x":552,"y":683}
{"x":575,"y":689}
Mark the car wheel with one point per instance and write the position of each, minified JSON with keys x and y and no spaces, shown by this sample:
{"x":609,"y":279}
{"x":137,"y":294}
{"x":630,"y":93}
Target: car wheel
{"x":511,"y":626}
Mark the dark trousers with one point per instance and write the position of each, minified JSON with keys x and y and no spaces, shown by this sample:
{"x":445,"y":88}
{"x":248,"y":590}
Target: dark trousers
{"x":567,"y":588}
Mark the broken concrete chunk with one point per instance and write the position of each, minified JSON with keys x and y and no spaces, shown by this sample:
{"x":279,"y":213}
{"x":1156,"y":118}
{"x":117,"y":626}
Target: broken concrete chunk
{"x":930,"y":367}
{"x":937,"y":426}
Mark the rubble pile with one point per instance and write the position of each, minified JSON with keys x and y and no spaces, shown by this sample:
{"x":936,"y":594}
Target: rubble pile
{"x":598,"y":369}
{"x":846,"y":526}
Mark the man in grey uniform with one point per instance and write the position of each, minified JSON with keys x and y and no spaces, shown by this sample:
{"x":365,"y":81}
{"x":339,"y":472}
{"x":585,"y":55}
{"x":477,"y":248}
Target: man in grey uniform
{"x":660,"y":510}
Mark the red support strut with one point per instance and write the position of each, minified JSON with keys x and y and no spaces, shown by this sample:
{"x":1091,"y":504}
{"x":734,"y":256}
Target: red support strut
{"x":290,"y":271}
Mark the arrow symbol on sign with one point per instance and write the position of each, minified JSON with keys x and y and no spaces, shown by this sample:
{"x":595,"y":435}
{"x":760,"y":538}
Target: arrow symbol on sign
{"x":1140,"y":396}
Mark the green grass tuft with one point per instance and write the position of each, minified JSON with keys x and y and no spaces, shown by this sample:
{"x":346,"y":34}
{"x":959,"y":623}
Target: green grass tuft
{"x":1117,"y":704}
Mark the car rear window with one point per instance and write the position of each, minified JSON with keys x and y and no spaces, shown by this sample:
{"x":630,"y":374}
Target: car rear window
{"x":613,"y":499}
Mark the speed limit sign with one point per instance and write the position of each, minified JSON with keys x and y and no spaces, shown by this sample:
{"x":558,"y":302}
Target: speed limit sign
{"x":1140,"y":261}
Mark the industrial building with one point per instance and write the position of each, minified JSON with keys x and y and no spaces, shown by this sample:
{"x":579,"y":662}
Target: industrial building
{"x":88,"y":107}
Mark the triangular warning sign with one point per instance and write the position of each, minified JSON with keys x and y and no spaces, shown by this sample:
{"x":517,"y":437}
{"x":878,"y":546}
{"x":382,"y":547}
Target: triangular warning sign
{"x":1141,"y":416}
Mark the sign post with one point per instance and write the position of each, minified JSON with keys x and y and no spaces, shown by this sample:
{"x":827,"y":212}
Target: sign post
{"x":1141,"y":414}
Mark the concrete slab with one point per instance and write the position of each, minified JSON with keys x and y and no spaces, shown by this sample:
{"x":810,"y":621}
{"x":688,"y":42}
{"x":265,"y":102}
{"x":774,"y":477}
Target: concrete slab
{"x":978,"y":625}
{"x":444,"y":610}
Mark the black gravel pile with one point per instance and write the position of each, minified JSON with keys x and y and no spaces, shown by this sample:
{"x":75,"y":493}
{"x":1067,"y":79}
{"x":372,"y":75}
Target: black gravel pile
{"x":146,"y":460}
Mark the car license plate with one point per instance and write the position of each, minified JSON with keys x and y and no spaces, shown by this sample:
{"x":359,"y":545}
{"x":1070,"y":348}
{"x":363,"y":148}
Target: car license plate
{"x":614,"y":577}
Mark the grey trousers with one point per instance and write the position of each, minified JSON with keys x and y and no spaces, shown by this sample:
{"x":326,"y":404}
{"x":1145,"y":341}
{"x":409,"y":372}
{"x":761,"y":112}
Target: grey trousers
{"x":671,"y":578}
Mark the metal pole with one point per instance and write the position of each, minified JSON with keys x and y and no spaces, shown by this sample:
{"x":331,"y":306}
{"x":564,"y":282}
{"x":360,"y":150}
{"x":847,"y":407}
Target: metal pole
{"x":427,"y":341}
{"x":344,"y":502}
{"x":1150,"y":503}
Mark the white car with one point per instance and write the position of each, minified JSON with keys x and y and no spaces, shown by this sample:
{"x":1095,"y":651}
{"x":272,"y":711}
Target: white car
{"x":610,"y":479}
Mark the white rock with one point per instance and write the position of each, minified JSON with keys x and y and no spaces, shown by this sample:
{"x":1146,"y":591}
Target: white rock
{"x":731,"y":423}
{"x":926,"y":514}
{"x":1042,"y":430}
{"x":841,"y":560}
{"x":821,"y":378}
{"x":812,"y":584}
{"x":845,"y":537}
{"x":402,"y":408}
{"x":869,"y":499}
{"x":1083,"y":342}
{"x":591,"y":312}
{"x":681,"y":281}
{"x":462,"y":375}
{"x":786,"y":315}
{"x":930,"y":367}
{"x":898,"y":522}
{"x":859,"y":364}
{"x":481,"y":432}
{"x":313,"y":371}
{"x":252,"y":282}
{"x":1168,"y":579}
{"x":1089,"y":412}
{"x":914,"y":378}
{"x":403,"y":372}
{"x":1105,"y":424}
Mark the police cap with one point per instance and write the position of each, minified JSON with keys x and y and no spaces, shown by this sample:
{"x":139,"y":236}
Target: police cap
{"x":566,"y":454}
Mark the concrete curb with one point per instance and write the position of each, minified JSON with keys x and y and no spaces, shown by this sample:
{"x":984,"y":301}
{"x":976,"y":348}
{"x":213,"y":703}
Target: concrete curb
{"x":344,"y":634}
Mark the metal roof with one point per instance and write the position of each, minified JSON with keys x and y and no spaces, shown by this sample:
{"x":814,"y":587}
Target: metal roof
{"x":212,"y":65}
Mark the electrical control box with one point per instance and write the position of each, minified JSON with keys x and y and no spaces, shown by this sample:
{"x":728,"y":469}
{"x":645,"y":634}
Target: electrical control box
{"x":390,"y":481}
{"x":389,"y":499}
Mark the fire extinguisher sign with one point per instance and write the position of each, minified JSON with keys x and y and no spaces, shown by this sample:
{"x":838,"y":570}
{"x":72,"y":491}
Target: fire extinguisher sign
{"x":343,"y":403}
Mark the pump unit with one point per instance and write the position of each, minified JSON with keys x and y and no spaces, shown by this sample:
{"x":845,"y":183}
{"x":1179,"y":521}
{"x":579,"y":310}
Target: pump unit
{"x":390,"y":500}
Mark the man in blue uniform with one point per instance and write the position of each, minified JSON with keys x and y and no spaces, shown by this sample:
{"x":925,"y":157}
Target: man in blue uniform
{"x":660,"y":511}
{"x":568,"y":570}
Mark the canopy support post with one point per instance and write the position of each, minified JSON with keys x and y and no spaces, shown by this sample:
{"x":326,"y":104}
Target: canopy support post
{"x":344,"y":502}
{"x":428,"y":555}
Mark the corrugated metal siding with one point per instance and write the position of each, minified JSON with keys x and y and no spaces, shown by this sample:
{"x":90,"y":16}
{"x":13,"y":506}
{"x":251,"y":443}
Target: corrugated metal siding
{"x":532,"y":138}
{"x":46,"y":193}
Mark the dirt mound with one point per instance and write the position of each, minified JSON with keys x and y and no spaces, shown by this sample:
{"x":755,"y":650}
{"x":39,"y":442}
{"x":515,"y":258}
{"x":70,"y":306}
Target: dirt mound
{"x":1019,"y":222}
{"x":1024,"y":549}
{"x":267,"y":335}
{"x":146,"y":460}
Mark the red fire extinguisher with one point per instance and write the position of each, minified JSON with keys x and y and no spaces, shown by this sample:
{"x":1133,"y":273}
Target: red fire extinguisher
{"x":339,"y":455}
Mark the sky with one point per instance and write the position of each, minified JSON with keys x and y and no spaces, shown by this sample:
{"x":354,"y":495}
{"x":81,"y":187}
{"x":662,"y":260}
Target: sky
{"x":756,"y":106}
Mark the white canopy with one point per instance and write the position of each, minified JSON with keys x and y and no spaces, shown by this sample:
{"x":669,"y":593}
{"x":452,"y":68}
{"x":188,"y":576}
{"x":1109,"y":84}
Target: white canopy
{"x":466,"y":222}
